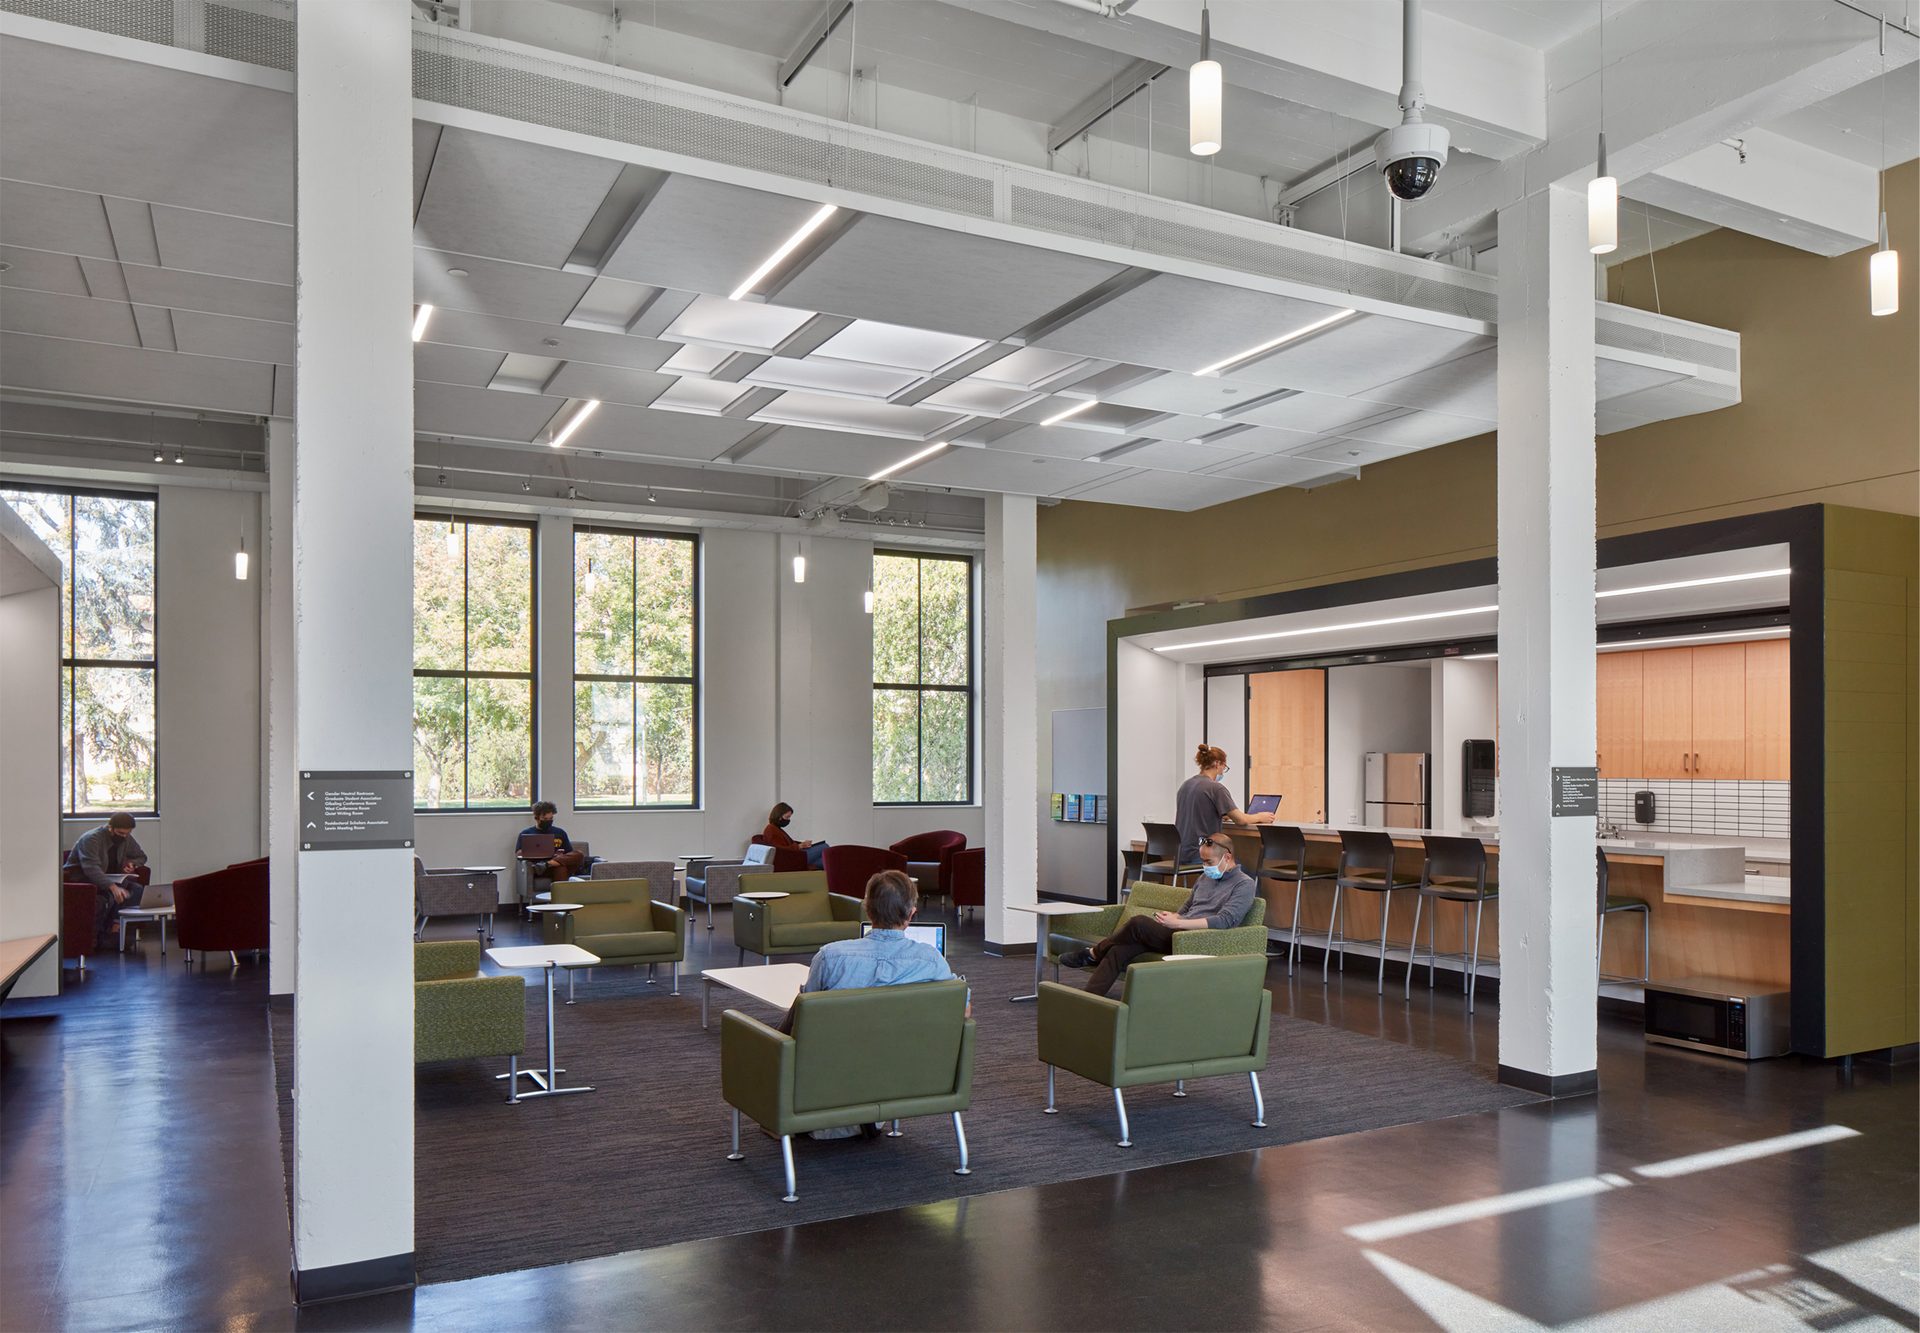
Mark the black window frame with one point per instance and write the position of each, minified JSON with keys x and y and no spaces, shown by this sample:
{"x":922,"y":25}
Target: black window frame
{"x":69,"y":663}
{"x":636,"y":681}
{"x":920,"y":688}
{"x":531,"y":675}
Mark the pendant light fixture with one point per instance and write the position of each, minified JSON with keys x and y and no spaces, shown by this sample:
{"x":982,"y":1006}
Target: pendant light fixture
{"x":1603,"y":191}
{"x":240,"y":557}
{"x":866,"y":600}
{"x":453,"y":538}
{"x":1203,"y":95}
{"x":800,"y":562}
{"x":1883,"y":270}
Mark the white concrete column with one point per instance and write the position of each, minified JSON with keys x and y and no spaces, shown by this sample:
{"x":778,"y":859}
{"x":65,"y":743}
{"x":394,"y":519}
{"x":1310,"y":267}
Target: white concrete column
{"x":1010,"y":720}
{"x":1545,"y":459}
{"x":553,"y":685}
{"x":353,"y":640}
{"x":281,"y":841}
{"x":30,"y":738}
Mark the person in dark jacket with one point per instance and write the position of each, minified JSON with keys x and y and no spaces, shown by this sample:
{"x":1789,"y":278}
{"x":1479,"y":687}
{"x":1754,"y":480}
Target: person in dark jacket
{"x":107,"y":858}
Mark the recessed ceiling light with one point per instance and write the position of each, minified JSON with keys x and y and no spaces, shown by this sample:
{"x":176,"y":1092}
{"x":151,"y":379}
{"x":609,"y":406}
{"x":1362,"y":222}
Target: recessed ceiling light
{"x":787,"y":247}
{"x":550,"y":342}
{"x":1073,"y":411}
{"x":5,"y":264}
{"x":909,"y":460}
{"x":1695,"y":583}
{"x":1272,"y":343}
{"x":420,"y":321}
{"x":456,"y":273}
{"x":1330,"y":629}
{"x":566,"y":431}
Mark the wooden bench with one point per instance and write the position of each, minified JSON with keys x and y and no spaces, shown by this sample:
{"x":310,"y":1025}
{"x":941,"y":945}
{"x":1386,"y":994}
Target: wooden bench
{"x":16,"y":956}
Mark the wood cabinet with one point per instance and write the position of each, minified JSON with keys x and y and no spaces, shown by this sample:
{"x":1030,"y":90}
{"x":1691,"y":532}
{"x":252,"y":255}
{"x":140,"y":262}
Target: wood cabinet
{"x":1287,"y":742}
{"x":1719,"y":710}
{"x":1666,"y":718}
{"x":1769,"y":710}
{"x":1620,"y":706}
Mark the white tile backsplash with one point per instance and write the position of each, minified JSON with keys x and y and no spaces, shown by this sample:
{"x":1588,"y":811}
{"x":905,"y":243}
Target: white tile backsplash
{"x":1721,"y":808}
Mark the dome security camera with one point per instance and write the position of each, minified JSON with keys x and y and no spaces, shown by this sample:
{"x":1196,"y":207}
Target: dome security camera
{"x":1410,"y":156}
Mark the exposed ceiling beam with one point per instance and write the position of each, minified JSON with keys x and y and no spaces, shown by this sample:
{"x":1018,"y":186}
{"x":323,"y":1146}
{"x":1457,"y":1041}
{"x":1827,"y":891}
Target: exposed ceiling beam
{"x":1772,"y":187}
{"x":824,"y":22}
{"x":1104,"y":100}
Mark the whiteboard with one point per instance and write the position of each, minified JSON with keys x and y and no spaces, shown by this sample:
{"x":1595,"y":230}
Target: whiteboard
{"x":1080,"y":750}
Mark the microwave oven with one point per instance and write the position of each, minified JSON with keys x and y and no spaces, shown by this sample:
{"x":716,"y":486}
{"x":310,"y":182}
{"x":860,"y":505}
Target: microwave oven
{"x":1719,"y":1015}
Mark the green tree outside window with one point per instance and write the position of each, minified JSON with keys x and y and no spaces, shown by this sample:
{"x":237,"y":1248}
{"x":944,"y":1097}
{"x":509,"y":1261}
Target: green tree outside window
{"x":922,"y":679}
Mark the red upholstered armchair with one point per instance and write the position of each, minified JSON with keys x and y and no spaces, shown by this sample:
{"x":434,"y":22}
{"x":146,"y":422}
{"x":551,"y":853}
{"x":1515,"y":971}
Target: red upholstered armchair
{"x":927,"y":855}
{"x":849,"y":866}
{"x":80,"y":910}
{"x":968,"y":878}
{"x":784,"y":858}
{"x":224,"y":910}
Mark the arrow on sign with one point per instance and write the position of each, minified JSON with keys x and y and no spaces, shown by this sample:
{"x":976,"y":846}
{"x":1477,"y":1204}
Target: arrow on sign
{"x":311,"y":824}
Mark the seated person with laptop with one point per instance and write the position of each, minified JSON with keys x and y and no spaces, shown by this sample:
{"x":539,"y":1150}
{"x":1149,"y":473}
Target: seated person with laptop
{"x":546,"y":847}
{"x":1221,"y":899}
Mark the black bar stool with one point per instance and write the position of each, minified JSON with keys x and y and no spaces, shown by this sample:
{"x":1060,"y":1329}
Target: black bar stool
{"x":1610,"y":904}
{"x":1366,"y":864}
{"x":1163,"y":854}
{"x":1283,"y":861}
{"x":1455,"y":872}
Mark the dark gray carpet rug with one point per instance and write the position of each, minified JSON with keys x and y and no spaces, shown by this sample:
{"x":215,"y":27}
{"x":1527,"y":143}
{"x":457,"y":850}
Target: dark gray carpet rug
{"x":641,"y":1161}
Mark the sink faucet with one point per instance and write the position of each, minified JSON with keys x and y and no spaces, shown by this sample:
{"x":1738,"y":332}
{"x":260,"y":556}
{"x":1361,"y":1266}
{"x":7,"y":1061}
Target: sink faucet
{"x":1608,"y":831}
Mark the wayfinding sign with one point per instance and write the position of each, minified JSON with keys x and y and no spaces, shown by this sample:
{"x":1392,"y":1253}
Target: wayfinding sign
{"x":1576,"y":791}
{"x":349,"y":810}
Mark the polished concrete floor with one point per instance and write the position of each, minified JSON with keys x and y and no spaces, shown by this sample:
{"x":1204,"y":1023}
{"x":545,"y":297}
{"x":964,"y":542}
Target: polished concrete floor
{"x":141,"y":1187}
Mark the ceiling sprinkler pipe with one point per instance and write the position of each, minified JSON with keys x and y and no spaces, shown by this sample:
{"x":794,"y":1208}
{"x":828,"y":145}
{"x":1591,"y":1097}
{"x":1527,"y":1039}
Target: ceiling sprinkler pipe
{"x":1413,"y":95}
{"x":1101,"y":7}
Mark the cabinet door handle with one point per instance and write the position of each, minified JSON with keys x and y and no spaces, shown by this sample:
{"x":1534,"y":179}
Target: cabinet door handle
{"x":1683,"y":761}
{"x":1696,"y":761}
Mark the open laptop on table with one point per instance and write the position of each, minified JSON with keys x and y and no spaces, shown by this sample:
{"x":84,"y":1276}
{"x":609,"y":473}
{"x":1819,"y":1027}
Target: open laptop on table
{"x":1264,"y":805}
{"x":537,"y":847}
{"x":935,"y":935}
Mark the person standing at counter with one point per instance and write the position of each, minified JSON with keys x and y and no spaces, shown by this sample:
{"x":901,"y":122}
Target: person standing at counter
{"x":1203,"y":804}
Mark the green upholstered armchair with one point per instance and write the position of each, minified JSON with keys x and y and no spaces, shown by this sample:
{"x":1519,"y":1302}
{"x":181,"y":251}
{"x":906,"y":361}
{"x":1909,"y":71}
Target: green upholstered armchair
{"x":459,"y":1014}
{"x":855,"y":1057}
{"x":805,"y":919}
{"x":622,"y":925}
{"x":1175,"y":1020}
{"x":1078,"y":930}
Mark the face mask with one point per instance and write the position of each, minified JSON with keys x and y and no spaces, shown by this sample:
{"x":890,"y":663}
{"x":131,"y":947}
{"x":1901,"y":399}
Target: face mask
{"x":545,"y":821}
{"x":1214,"y":871}
{"x":784,"y":820}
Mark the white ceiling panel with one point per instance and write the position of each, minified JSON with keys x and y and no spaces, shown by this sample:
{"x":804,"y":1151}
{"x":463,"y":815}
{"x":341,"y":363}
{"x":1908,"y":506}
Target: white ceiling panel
{"x":1178,"y":456}
{"x":748,"y":324}
{"x":610,"y":384}
{"x":1314,"y":413}
{"x":1169,"y":490}
{"x":1279,"y":470}
{"x":41,"y":271}
{"x":201,"y":143}
{"x":1463,"y":388}
{"x":611,"y":302}
{"x":467,"y":329}
{"x":130,"y":374}
{"x":241,"y":339}
{"x":508,"y":200}
{"x":827,"y":453}
{"x":707,"y":397}
{"x":1176,"y":428}
{"x":929,"y":278}
{"x":997,"y":470}
{"x":455,"y":365}
{"x":1352,"y":453}
{"x":1267,"y":440}
{"x":618,"y":429}
{"x":200,"y":291}
{"x":69,"y":317}
{"x":895,"y":345}
{"x":230,"y":247}
{"x":45,"y":218}
{"x":1615,"y":379}
{"x":1358,"y":353}
{"x":851,"y":414}
{"x":1036,"y":367}
{"x":848,"y":378}
{"x":1182,"y":324}
{"x":697,"y":359}
{"x":488,"y":414}
{"x":1193,"y":395}
{"x":516,"y":291}
{"x":1056,"y":442}
{"x":703,"y":236}
{"x":1416,"y":430}
{"x":977,"y":398}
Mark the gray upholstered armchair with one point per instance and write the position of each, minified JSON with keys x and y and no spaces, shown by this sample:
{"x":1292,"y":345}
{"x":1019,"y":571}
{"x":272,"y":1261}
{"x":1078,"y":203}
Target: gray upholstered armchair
{"x":454,"y":892}
{"x":719,"y":881}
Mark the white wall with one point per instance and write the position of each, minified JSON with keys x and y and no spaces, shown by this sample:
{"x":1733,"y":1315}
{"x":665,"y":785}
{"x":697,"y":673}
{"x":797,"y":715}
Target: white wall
{"x":30,"y":738}
{"x":1464,"y":707}
{"x":1227,"y":728}
{"x":1149,"y":739}
{"x":1379,"y":706}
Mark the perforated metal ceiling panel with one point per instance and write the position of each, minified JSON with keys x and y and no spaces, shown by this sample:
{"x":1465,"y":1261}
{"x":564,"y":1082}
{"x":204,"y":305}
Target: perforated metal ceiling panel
{"x":455,"y":365}
{"x":702,"y":236}
{"x":42,"y":271}
{"x":491,"y":196}
{"x":1464,"y":387}
{"x":99,"y":370}
{"x":51,"y":219}
{"x":1182,"y":324}
{"x":995,"y":470}
{"x":75,"y":317}
{"x":1170,"y":490}
{"x":516,"y":291}
{"x":223,"y":335}
{"x":231,"y":247}
{"x":618,"y":429}
{"x":488,"y":414}
{"x":180,"y":290}
{"x":1190,"y":394}
{"x":1615,"y":379}
{"x":466,"y":329}
{"x":1280,"y":470}
{"x":610,"y":384}
{"x":1358,"y":353}
{"x":924,"y":277}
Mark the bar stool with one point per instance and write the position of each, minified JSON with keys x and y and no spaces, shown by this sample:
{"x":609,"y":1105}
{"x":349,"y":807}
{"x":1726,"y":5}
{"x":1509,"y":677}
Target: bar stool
{"x":1455,"y":871}
{"x":1610,"y":904}
{"x":1163,"y":854}
{"x":1366,"y":864}
{"x":1131,"y":859}
{"x":1283,"y":860}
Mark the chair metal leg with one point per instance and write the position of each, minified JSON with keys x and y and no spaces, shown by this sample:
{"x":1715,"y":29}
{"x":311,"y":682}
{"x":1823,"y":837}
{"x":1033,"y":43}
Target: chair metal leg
{"x":1386,"y":912}
{"x":674,"y":971}
{"x":786,"y":1159}
{"x":960,"y":1134}
{"x":894,"y":1131}
{"x":1433,"y":940}
{"x":1293,"y":952}
{"x":649,"y":974}
{"x":1646,"y":945}
{"x":1473,"y":969}
{"x":513,"y":1080}
{"x":1413,"y":942}
{"x":1334,"y":922}
{"x":569,"y":985}
{"x":736,"y":1155}
{"x":1259,"y":1102}
{"x":1600,"y":940}
{"x":741,"y":961}
{"x":1120,"y":1104}
{"x":1051,"y":1108}
{"x":1179,"y":1087}
{"x":709,"y":914}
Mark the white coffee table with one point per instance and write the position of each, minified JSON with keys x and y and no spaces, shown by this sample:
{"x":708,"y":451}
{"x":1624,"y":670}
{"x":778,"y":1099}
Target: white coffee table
{"x":777,"y":984}
{"x":136,"y":915}
{"x":1045,"y":911}
{"x":547,"y":957}
{"x":765,"y":895}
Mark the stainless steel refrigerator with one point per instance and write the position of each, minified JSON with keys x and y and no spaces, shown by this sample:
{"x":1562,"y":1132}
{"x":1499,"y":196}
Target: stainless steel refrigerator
{"x":1396,"y":790}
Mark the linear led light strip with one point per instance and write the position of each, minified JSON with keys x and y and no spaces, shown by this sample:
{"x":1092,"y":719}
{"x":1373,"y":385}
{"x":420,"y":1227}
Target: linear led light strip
{"x":909,"y":460}
{"x":1332,"y":629}
{"x":792,"y":243}
{"x":1073,"y":411}
{"x":566,"y":431}
{"x":1695,"y":583}
{"x":420,"y":322}
{"x":1625,"y":645}
{"x":1272,"y":343}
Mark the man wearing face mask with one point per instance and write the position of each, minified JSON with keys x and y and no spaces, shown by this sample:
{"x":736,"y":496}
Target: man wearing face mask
{"x":1221,"y":899}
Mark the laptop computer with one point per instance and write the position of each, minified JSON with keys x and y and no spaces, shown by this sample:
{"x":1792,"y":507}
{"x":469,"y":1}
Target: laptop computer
{"x":537,"y":847}
{"x":1264,"y":805}
{"x":935,"y":935}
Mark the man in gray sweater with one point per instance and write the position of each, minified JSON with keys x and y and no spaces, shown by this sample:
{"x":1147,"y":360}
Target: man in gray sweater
{"x":1220,"y":900}
{"x":107,"y":858}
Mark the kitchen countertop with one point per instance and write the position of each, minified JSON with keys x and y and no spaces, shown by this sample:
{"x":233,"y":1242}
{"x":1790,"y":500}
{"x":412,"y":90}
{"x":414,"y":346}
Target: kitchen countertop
{"x":1772,"y":889}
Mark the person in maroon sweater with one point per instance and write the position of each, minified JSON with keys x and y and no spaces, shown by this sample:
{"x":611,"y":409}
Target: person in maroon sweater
{"x":775,"y":835}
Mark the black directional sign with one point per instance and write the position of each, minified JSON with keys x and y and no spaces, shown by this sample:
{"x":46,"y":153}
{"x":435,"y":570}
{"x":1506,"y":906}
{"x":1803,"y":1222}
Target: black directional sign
{"x":355,"y":810}
{"x":1576,"y":791}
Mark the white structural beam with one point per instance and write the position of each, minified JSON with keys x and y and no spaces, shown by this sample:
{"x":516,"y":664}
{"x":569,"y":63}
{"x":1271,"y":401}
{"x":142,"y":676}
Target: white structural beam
{"x":282,"y":842}
{"x":353,"y":641}
{"x":1773,"y":187}
{"x":1545,"y":470}
{"x":1102,"y":101}
{"x":1010,"y":720}
{"x":1679,"y":77}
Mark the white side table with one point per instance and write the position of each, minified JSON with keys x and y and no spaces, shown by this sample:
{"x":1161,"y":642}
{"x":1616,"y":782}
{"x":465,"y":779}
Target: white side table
{"x":777,"y":984}
{"x":1046,"y":911}
{"x":765,"y":895}
{"x":136,"y":915}
{"x":547,"y":957}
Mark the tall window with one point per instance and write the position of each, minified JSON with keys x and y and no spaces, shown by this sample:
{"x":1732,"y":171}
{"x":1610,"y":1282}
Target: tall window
{"x":472,"y":663}
{"x":107,"y":663}
{"x":922,"y":679}
{"x":636,"y":669}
